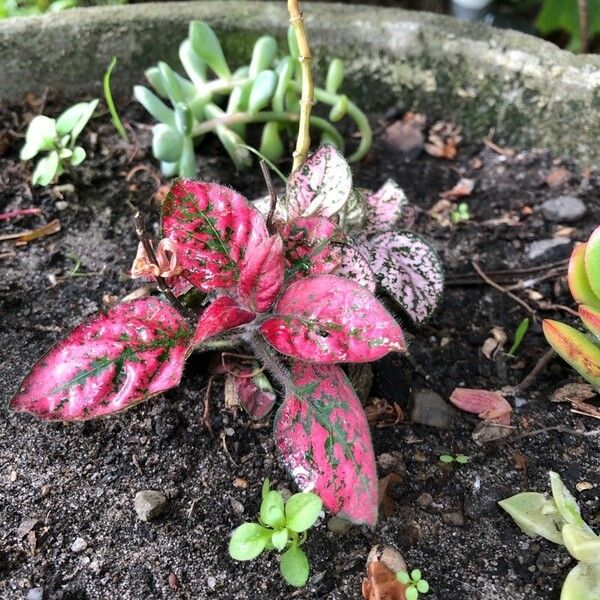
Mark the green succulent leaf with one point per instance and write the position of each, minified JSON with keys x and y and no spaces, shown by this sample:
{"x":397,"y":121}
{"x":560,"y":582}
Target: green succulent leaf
{"x":266,"y":486}
{"x":415,"y":575}
{"x":582,"y":544}
{"x":272,"y":510}
{"x":263,"y":55}
{"x":302,"y":510}
{"x":411,"y":593}
{"x":74,"y":119}
{"x":40,"y":135}
{"x":403,"y":577}
{"x":582,"y":583}
{"x":339,"y":109}
{"x":207,"y":46}
{"x":271,"y":145}
{"x":188,"y":166}
{"x":294,"y":566}
{"x":279,"y":538}
{"x":422,"y":586}
{"x":592,"y":261}
{"x":335,"y":76}
{"x":446,"y":458}
{"x":262,"y":90}
{"x":579,"y":284}
{"x":167,"y":143}
{"x":184,"y":120}
{"x":78,"y":156}
{"x":248,"y":541}
{"x":46,"y":169}
{"x":530,"y":512}
{"x":194,"y":66}
{"x":565,"y":502}
{"x":154,"y":105}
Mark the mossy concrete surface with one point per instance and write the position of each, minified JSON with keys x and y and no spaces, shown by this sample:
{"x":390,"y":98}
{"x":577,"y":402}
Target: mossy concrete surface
{"x":524,"y":90}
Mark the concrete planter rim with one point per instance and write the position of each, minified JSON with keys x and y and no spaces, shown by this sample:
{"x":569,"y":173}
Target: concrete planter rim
{"x":528,"y":91}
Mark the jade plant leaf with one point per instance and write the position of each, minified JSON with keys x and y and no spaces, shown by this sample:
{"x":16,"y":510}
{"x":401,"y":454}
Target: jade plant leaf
{"x":582,"y":545}
{"x":329,"y":319}
{"x":566,"y":504}
{"x":261,"y":275}
{"x":582,"y":583}
{"x":487,"y":405}
{"x":591,"y":319}
{"x":212,"y":226}
{"x":354,"y":266}
{"x":409,"y":270}
{"x":579,"y":284}
{"x":108,"y":363}
{"x":592,"y":261}
{"x":323,"y":435}
{"x":307,"y":248}
{"x":320,"y":186}
{"x":385,"y":207}
{"x":222,"y":315}
{"x":535,"y":515}
{"x":575,"y":348}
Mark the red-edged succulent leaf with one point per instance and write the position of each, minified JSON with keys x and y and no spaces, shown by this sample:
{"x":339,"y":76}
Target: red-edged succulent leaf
{"x":329,"y":319}
{"x":320,"y":186}
{"x":261,"y":275}
{"x":307,"y":247}
{"x":387,"y":207}
{"x":489,"y":406}
{"x":212,"y":226}
{"x":410,"y":271}
{"x":592,"y":261}
{"x":579,"y":284}
{"x":222,"y":315}
{"x":109,"y":363}
{"x":575,"y":348}
{"x":591,"y":319}
{"x":322,"y":432}
{"x":255,"y":393}
{"x":354,"y":266}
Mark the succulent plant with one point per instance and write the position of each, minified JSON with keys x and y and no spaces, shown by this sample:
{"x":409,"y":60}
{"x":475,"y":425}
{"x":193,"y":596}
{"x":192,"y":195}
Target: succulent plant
{"x":266,"y":91}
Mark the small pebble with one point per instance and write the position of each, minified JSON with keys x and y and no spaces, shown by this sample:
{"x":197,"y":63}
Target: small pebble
{"x":62,"y":205}
{"x":230,"y":431}
{"x":557,"y":245}
{"x":35,"y":594}
{"x":211,"y":582}
{"x":454,"y":519}
{"x":429,"y":408}
{"x":237,"y":506}
{"x":338,"y":525}
{"x":563,"y":209}
{"x":79,"y":545}
{"x":149,"y":504}
{"x":425,"y":500}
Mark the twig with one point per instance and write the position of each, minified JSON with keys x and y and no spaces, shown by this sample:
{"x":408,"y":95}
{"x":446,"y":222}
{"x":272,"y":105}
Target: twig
{"x":206,"y":412}
{"x":19,"y":213}
{"x":160,"y":281}
{"x":537,"y":369}
{"x":498,"y":287}
{"x":307,"y":97}
{"x":272,"y":193}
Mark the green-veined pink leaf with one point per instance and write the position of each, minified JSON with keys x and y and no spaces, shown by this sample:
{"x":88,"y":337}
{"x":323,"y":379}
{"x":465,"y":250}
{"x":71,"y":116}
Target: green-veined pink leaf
{"x":575,"y":348}
{"x":387,"y":207}
{"x":409,"y":269}
{"x":108,"y":363}
{"x":213,"y":226}
{"x":320,"y":186}
{"x":329,"y":319}
{"x":219,"y":317}
{"x":255,"y":392}
{"x":323,"y":435}
{"x":580,"y":287}
{"x":592,"y":261}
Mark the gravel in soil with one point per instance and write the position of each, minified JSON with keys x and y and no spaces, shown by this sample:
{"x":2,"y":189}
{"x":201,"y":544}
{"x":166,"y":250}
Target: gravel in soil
{"x":69,"y":529}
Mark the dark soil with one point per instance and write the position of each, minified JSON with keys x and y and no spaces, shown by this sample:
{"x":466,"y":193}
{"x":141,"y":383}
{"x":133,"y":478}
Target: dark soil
{"x":79,"y":481}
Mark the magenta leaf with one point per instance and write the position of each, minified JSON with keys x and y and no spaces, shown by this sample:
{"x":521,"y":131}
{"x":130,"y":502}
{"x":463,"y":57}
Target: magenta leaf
{"x":388,"y":207}
{"x":329,"y":319}
{"x":320,"y":186}
{"x":489,"y":406}
{"x":261,"y":275}
{"x":307,"y":247}
{"x":255,"y":393}
{"x":212,"y":226}
{"x":354,"y":266}
{"x":322,"y":433}
{"x":109,"y":363}
{"x":409,"y":270}
{"x":222,"y":315}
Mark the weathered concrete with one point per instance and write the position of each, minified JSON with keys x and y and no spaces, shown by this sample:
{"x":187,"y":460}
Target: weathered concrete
{"x":528,"y":91}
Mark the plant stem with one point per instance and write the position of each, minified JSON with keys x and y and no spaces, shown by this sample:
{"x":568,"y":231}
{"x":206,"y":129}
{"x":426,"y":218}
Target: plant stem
{"x":307,"y":96}
{"x":266,"y":356}
{"x":584,"y":24}
{"x":160,"y":281}
{"x":272,"y":193}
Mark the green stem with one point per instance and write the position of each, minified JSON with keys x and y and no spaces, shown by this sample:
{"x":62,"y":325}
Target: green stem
{"x":269,"y":360}
{"x":357,"y":115}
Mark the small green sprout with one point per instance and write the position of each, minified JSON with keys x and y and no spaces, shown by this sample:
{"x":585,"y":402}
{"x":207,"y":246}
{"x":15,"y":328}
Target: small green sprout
{"x":114,"y":115}
{"x":461,"y":459}
{"x":57,"y":137}
{"x":416,"y":584}
{"x":281,"y":526}
{"x":461,"y":213}
{"x":519,"y":335}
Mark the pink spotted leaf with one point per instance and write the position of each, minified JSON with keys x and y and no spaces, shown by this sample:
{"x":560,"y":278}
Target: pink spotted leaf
{"x":320,"y":186}
{"x":109,"y":363}
{"x":354,"y":266}
{"x":307,"y":246}
{"x":255,"y":393}
{"x":261,"y":275}
{"x":409,"y":270}
{"x":329,"y":319}
{"x":490,"y":406}
{"x":212,"y":226}
{"x":223,"y":315}
{"x":323,"y":435}
{"x":387,"y":208}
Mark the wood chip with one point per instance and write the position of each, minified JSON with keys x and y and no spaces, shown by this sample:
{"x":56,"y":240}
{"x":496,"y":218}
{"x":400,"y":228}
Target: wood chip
{"x":28,"y":236}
